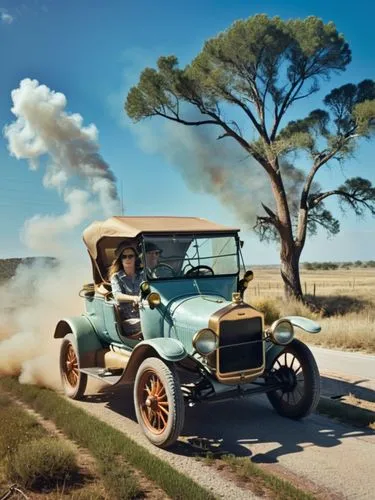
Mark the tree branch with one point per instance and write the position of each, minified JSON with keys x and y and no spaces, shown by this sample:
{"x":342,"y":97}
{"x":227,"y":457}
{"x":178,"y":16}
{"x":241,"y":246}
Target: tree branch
{"x":296,"y":86}
{"x":351,"y":198}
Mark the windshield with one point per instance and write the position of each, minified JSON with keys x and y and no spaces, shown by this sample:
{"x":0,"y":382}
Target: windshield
{"x":190,"y":256}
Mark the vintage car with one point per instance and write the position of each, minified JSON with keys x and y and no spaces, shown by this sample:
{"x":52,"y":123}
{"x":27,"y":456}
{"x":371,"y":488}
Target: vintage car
{"x":199,"y":342}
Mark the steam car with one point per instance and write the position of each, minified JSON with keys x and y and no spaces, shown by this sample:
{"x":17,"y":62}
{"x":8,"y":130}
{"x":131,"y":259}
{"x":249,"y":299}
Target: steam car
{"x":199,"y":342}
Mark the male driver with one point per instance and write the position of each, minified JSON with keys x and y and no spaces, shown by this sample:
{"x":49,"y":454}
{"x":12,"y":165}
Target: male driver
{"x":154,"y":268}
{"x":153,"y":253}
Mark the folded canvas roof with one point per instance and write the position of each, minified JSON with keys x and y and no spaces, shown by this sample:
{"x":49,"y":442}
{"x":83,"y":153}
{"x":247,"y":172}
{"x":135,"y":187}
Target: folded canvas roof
{"x":131,"y":227}
{"x":102,"y":237}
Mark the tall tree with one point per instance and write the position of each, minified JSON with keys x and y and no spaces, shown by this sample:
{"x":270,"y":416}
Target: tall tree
{"x":262,"y":66}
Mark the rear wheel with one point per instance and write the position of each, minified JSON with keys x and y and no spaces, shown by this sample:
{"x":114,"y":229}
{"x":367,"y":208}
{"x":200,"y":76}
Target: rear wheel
{"x":296,"y":369}
{"x":74,"y":382}
{"x":159,"y":403}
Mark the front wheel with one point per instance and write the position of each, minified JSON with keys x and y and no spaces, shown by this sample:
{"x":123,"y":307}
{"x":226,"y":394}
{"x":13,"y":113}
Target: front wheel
{"x":296,"y":369}
{"x":159,"y":403}
{"x":74,"y":382}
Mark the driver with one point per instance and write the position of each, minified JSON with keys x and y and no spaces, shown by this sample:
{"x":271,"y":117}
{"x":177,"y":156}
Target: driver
{"x":154,"y":268}
{"x":153,"y":253}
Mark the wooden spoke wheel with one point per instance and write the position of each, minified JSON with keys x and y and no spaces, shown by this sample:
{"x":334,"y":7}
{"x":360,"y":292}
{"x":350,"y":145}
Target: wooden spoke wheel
{"x":74,"y":382}
{"x":159,"y":403}
{"x":296,"y":370}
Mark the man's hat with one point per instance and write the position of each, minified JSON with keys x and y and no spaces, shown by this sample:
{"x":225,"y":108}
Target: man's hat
{"x":151,"y":247}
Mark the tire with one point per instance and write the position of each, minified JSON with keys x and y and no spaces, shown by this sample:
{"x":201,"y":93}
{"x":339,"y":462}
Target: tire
{"x":301,"y":391}
{"x":159,"y":403}
{"x":73,"y":381}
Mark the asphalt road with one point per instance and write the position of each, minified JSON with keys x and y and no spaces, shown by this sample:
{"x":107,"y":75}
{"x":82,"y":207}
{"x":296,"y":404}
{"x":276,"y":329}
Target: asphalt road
{"x":335,"y":460}
{"x":352,"y":364}
{"x":346,"y":372}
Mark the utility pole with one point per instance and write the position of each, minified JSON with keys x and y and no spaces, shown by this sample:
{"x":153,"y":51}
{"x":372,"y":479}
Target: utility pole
{"x":122,"y":198}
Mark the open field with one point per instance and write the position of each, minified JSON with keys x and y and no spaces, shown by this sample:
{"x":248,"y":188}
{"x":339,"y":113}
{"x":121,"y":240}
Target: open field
{"x":345,"y":300}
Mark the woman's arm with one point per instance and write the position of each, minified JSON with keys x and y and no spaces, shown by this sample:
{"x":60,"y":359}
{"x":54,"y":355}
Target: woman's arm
{"x":119,"y":295}
{"x":123,"y":297}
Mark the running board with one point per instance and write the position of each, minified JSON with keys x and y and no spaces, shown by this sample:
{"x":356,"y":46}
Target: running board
{"x":102,"y":374}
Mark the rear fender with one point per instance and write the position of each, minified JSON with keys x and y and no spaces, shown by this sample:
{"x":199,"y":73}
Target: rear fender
{"x":170,"y":350}
{"x":88,"y":343}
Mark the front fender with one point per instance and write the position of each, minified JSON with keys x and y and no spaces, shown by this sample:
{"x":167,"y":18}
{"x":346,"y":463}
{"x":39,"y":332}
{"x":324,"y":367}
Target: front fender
{"x":88,"y":343}
{"x":306,"y":324}
{"x":167,"y":349}
{"x":272,"y":351}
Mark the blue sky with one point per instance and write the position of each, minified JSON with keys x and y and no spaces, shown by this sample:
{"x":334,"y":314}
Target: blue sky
{"x":91,"y":51}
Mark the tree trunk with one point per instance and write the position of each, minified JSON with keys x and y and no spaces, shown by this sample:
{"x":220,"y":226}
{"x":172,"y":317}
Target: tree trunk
{"x":289,"y":257}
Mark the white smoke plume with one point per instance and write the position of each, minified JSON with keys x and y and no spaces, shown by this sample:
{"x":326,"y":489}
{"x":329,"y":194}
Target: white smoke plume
{"x":32,"y":303}
{"x":43,"y":127}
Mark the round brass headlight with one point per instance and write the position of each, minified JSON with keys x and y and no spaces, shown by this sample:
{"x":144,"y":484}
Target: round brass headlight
{"x":282,"y":332}
{"x":205,"y":342}
{"x":154,"y":300}
{"x":145,"y":288}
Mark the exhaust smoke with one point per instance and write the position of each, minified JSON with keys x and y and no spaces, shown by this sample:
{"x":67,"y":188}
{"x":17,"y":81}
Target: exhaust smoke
{"x":38,"y":296}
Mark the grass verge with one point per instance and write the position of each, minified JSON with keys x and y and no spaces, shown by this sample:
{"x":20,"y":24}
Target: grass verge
{"x":346,"y":413}
{"x":43,"y":464}
{"x":261,"y":482}
{"x":108,"y":446}
{"x":35,"y":460}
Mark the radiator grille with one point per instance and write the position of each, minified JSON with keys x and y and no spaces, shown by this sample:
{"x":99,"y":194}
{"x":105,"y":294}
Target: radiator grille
{"x":240,"y":345}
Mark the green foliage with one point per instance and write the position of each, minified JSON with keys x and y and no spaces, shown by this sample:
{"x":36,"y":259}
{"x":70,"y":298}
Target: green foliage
{"x":320,"y":216}
{"x":42,"y":464}
{"x":325,"y":266}
{"x":263,"y":481}
{"x":347,"y":104}
{"x":17,"y":427}
{"x":304,"y":133}
{"x":235,"y":68}
{"x":364,"y":116}
{"x":358,"y":194}
{"x":328,"y":266}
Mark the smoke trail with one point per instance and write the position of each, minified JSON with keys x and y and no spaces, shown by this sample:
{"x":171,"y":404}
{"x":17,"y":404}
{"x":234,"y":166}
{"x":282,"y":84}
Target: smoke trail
{"x":32,"y":303}
{"x":40,"y":295}
{"x":43,"y":127}
{"x":220,"y":168}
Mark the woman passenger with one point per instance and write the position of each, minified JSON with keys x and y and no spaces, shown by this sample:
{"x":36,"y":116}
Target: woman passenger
{"x":125,"y":277}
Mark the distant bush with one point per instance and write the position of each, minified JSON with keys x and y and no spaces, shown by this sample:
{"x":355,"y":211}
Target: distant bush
{"x":8,"y":267}
{"x":328,"y":266}
{"x":42,"y":464}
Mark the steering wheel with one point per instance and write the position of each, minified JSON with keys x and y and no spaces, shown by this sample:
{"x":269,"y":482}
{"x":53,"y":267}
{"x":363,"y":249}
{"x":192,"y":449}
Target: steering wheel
{"x":199,"y":271}
{"x":167,"y":271}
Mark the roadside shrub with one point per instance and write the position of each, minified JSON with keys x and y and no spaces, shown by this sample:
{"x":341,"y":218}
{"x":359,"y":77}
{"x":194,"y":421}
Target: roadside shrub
{"x":268,"y":307}
{"x":42,"y":464}
{"x":292,"y":307}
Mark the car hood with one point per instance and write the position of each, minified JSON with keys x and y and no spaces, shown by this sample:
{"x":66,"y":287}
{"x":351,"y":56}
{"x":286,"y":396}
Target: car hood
{"x":193,"y":313}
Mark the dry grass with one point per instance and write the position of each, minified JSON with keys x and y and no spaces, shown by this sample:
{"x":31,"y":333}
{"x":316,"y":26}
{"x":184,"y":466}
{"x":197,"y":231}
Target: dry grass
{"x":346,"y":299}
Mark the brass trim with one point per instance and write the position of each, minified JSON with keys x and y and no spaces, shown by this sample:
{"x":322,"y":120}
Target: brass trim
{"x":234,"y":312}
